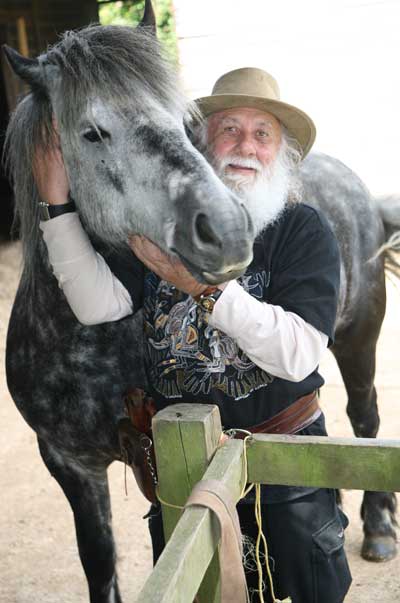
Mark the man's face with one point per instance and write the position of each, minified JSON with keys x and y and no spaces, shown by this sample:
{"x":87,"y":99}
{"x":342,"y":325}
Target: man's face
{"x":243,"y":133}
{"x":248,"y":151}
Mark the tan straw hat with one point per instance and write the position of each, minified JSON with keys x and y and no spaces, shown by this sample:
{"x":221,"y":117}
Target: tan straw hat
{"x":255,"y":88}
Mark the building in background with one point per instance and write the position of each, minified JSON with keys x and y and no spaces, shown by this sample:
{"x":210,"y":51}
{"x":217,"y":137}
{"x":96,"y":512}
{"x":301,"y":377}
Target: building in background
{"x":30,"y":26}
{"x":336,"y":59}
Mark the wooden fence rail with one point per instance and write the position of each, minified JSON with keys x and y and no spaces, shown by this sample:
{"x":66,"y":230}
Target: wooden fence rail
{"x":186,"y":440}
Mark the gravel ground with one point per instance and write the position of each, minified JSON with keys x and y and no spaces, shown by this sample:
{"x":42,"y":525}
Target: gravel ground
{"x":39,"y":560}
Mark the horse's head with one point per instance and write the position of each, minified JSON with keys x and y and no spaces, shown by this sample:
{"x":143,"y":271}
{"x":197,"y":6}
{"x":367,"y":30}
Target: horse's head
{"x":131,"y":167}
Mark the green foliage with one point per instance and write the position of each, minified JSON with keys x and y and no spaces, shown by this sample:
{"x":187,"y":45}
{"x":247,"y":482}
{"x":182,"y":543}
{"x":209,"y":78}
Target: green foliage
{"x":130,"y":12}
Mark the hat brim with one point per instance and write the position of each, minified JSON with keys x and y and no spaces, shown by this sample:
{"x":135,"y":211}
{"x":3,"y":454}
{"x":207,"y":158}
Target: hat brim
{"x":298,"y":123}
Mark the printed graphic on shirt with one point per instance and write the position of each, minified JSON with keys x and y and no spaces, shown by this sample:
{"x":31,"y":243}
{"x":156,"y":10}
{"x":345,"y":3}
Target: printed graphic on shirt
{"x":186,"y":354}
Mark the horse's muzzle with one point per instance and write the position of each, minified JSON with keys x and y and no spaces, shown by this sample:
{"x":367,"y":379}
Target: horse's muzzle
{"x":214,"y":245}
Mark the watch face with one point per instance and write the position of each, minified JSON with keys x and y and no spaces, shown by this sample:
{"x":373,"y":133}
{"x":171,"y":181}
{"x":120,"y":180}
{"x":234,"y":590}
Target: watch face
{"x":208,"y":304}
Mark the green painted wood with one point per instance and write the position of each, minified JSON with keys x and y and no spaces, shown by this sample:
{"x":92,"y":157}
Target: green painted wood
{"x":181,"y":567}
{"x":209,"y":591}
{"x":185,"y":438}
{"x":353,"y":463}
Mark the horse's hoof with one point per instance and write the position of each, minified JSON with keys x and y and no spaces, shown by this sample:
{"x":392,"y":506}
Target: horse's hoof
{"x":379,"y":548}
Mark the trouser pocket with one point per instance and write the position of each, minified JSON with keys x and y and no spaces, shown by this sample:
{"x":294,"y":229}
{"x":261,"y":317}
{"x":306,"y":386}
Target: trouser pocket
{"x":331,"y":573}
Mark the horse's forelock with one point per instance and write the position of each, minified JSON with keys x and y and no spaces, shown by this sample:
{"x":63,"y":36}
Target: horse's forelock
{"x":120,"y":65}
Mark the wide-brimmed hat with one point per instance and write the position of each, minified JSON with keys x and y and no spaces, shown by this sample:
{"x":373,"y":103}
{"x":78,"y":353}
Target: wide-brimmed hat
{"x":255,"y":88}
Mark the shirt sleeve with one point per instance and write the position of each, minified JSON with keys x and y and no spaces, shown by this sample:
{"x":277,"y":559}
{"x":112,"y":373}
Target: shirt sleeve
{"x":279,"y":342}
{"x":94,"y":293}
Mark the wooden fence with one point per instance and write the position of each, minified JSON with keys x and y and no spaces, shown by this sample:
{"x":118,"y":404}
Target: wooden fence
{"x":187,"y":449}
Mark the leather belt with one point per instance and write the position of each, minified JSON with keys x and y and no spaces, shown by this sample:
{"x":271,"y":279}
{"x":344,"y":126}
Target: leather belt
{"x":297,"y":416}
{"x":135,"y":437}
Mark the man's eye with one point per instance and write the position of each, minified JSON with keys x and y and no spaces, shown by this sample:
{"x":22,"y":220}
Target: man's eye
{"x":98,"y":135}
{"x":262,"y":134}
{"x":230,"y":129}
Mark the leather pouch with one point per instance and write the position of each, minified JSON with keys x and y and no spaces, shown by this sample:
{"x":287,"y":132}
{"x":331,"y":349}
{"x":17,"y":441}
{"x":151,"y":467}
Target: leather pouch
{"x":135,"y":440}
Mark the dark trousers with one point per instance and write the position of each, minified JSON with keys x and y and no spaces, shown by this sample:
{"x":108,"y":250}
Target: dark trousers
{"x":305,"y":539}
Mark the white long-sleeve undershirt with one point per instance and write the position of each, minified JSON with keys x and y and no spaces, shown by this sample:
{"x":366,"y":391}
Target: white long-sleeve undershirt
{"x":93,"y":292}
{"x":280,"y":342}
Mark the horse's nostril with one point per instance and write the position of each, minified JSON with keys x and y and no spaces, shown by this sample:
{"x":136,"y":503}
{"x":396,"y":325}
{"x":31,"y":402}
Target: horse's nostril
{"x":205,"y":231}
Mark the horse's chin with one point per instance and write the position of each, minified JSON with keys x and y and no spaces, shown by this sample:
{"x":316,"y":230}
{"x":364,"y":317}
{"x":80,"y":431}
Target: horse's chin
{"x":217,"y":278}
{"x":208,"y":277}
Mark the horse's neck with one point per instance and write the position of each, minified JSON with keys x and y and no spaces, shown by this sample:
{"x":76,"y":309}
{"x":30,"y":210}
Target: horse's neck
{"x":37,"y":271}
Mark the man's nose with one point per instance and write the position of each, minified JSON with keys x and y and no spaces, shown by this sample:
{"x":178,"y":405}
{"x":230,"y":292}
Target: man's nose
{"x":246,"y":145}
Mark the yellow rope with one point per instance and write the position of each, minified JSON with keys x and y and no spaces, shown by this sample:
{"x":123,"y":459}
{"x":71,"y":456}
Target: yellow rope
{"x":164,"y":502}
{"x":245,"y":490}
{"x":260,"y":535}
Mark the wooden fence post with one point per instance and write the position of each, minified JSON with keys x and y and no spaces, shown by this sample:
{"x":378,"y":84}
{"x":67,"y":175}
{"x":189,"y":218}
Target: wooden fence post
{"x":194,"y":541}
{"x":186,"y":437}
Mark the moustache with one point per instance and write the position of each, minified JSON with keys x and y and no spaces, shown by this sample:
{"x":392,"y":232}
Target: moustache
{"x":245,"y":162}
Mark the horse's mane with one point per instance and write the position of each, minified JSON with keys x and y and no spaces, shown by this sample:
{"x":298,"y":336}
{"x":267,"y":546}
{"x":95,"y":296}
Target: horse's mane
{"x":118,"y":64}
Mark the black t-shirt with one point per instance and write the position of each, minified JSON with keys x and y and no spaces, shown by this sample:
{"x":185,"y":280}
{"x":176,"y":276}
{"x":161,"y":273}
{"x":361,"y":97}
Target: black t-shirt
{"x":295,"y":266}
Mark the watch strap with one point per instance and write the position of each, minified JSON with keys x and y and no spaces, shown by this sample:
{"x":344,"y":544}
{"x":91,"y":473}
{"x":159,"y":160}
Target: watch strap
{"x":205,"y":293}
{"x":47,"y":211}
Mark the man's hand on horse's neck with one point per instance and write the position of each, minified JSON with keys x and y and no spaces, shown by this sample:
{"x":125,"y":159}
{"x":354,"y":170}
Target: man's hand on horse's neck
{"x":168,"y":268}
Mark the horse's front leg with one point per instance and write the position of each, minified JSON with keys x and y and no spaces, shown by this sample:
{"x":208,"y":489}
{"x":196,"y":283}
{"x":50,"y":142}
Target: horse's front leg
{"x":87,"y":491}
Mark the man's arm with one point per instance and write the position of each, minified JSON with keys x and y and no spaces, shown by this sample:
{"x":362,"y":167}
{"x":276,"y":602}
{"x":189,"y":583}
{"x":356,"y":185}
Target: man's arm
{"x":279,"y":342}
{"x":288,"y":335}
{"x":93,"y":292}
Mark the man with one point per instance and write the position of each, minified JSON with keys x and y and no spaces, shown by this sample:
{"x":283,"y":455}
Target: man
{"x":253,"y":345}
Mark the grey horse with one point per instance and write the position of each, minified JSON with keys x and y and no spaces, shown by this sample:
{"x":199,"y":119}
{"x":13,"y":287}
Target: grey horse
{"x":367,"y":232}
{"x":132,"y":169}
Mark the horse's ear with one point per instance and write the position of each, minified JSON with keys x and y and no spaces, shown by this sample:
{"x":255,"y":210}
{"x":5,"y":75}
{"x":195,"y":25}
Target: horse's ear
{"x":149,"y":18}
{"x":27,"y":69}
{"x":38,"y":74}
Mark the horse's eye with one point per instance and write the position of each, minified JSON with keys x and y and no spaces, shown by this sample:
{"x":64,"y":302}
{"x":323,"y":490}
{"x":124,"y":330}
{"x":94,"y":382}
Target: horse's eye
{"x":96,"y":135}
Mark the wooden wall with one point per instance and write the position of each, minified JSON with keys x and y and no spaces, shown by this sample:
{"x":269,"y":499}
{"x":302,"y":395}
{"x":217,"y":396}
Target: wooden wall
{"x":45,"y":19}
{"x":30,"y":26}
{"x":55,"y":16}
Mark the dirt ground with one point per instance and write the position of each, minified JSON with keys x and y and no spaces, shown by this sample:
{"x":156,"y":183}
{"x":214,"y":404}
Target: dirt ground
{"x":39,"y":560}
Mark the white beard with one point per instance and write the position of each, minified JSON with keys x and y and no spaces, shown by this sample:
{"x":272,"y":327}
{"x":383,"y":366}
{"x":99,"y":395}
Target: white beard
{"x":264,"y":194}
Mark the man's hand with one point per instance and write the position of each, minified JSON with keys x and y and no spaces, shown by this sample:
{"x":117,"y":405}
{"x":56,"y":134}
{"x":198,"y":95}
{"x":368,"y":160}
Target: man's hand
{"x":50,"y":175}
{"x":166,"y":267}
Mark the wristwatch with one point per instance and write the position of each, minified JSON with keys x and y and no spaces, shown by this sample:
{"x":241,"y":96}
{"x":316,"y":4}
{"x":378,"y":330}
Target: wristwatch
{"x":207,"y":299}
{"x":47,"y":211}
